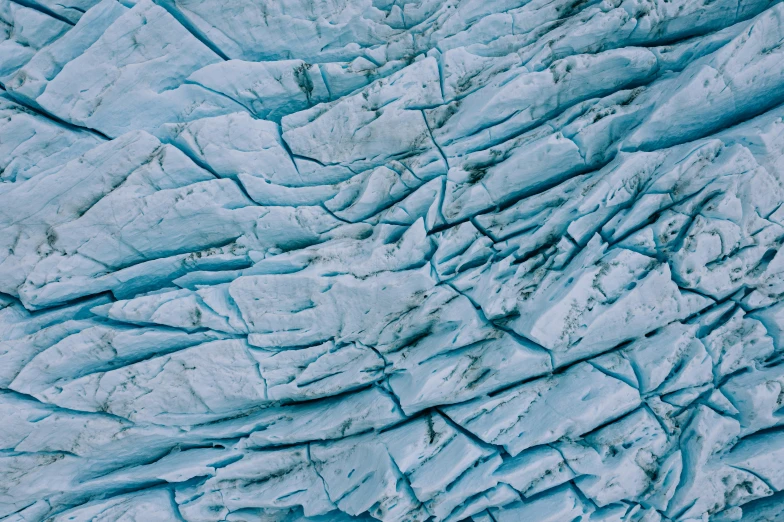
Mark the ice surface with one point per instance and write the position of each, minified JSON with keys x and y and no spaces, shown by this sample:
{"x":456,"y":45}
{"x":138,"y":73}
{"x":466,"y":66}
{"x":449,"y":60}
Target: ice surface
{"x":421,"y":261}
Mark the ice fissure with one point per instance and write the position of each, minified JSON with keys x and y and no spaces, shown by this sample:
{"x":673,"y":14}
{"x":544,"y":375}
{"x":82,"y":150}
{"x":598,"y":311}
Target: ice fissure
{"x":396,"y":260}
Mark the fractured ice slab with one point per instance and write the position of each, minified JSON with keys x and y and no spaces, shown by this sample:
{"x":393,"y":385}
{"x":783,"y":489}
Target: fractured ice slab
{"x":34,"y":144}
{"x":24,"y":31}
{"x":421,"y":261}
{"x":135,"y":68}
{"x":542,"y":411}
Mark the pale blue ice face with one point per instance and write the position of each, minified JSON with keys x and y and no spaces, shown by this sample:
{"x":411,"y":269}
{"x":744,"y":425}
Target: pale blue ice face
{"x":397,"y":260}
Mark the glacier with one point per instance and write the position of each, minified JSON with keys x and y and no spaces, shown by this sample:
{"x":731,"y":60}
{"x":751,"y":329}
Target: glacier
{"x":396,"y":260}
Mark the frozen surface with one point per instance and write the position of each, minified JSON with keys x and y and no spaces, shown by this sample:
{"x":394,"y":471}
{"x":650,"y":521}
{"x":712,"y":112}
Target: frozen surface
{"x":397,"y":260}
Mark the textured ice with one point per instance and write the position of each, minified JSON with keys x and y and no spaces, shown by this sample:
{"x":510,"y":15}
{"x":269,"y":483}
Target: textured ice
{"x":397,"y":260}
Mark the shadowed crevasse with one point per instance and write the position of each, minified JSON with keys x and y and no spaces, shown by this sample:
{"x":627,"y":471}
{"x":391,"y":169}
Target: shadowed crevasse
{"x":430,"y":260}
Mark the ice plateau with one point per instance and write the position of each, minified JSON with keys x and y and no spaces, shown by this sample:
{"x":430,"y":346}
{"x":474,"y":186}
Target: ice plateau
{"x":396,"y":260}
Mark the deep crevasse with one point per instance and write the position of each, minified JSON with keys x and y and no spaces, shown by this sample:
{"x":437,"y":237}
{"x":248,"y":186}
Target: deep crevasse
{"x":434,"y":260}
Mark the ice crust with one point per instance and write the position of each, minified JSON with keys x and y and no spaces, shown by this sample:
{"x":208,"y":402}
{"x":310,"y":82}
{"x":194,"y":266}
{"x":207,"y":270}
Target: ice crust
{"x":413,"y":260}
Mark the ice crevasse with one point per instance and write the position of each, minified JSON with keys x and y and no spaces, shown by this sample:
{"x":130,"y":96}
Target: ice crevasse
{"x":396,"y":260}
